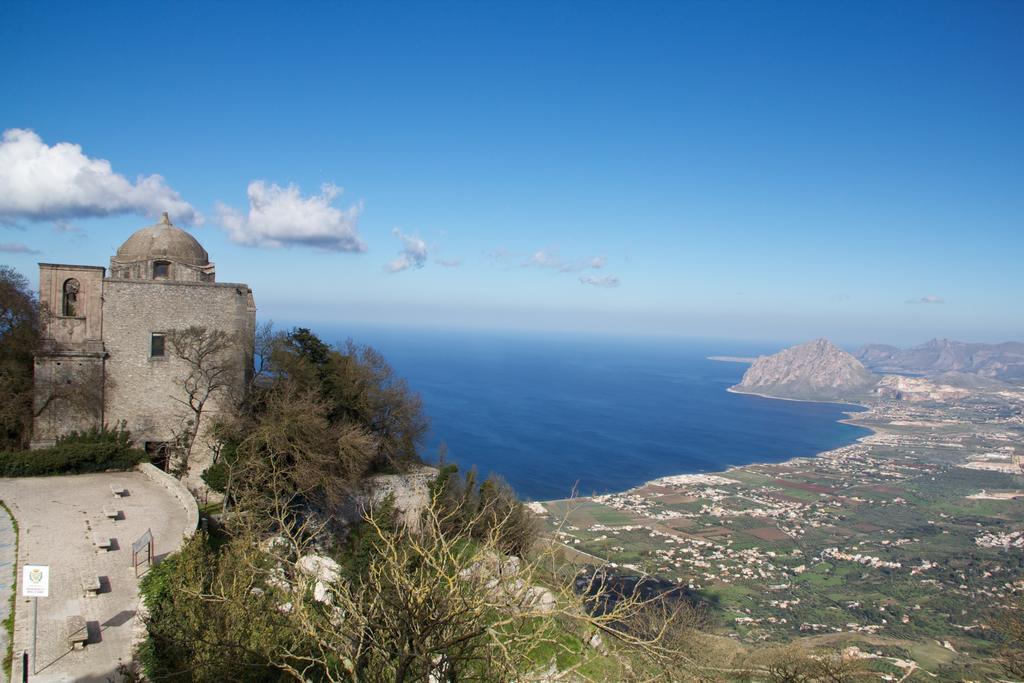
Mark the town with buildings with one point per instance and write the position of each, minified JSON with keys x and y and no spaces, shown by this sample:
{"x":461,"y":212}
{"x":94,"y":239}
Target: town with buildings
{"x":906,"y":545}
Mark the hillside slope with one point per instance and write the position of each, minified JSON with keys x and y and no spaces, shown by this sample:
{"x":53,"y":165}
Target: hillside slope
{"x":1003,"y":362}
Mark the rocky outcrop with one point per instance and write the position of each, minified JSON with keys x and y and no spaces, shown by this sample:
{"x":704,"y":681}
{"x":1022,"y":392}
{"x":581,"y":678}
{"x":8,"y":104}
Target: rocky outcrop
{"x":816,"y":371}
{"x":410,"y":492}
{"x":918,"y":389}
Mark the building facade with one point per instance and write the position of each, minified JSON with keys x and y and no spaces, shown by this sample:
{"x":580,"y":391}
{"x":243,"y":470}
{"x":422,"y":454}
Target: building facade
{"x":110,"y":343}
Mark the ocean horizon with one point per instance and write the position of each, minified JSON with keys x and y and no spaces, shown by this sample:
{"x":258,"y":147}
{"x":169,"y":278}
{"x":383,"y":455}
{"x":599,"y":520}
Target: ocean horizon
{"x":562,"y":415}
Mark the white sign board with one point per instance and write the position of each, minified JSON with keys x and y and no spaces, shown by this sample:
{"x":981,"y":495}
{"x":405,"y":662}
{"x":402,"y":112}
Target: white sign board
{"x":35,"y":581}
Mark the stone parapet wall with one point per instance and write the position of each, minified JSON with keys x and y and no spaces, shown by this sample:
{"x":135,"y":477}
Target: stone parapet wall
{"x":179,"y":491}
{"x":410,"y":490}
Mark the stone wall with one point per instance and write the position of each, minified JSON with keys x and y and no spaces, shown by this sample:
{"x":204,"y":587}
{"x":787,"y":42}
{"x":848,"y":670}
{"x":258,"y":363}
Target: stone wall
{"x":68,"y":395}
{"x":69,"y":368}
{"x":178,"y":490}
{"x":147,"y":391}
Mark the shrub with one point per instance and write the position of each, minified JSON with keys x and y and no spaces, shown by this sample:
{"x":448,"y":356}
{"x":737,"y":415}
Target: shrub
{"x":216,"y":476}
{"x":96,"y":450}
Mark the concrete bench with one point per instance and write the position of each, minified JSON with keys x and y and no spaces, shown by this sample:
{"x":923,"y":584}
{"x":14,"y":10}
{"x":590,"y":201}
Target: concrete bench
{"x":90,"y":584}
{"x":78,"y":633}
{"x":102,"y":540}
{"x":118,"y":490}
{"x":111,"y":513}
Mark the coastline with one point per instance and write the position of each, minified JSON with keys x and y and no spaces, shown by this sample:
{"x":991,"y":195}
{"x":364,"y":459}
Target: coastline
{"x":734,"y":390}
{"x":851,"y":419}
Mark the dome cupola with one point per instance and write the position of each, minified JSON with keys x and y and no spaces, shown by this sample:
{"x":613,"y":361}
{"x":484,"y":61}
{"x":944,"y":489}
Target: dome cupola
{"x":162,"y":251}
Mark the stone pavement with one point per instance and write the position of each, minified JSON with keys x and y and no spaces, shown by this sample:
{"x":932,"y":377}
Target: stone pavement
{"x":7,"y":562}
{"x":58,"y":518}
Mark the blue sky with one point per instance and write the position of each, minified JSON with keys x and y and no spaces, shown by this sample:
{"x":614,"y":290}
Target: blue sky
{"x":750,"y":170}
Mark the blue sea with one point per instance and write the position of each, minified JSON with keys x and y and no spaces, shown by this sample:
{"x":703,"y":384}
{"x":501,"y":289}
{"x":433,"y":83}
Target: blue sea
{"x":554,"y":414}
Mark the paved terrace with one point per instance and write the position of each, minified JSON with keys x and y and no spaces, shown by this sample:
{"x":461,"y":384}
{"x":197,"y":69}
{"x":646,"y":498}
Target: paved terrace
{"x":59,"y":519}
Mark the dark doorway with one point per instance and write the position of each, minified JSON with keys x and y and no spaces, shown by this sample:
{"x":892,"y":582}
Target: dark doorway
{"x":159,"y":453}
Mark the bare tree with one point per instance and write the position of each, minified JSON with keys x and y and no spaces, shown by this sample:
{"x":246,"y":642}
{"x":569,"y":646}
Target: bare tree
{"x":265,"y":340}
{"x":213,"y":359}
{"x":796,"y":664}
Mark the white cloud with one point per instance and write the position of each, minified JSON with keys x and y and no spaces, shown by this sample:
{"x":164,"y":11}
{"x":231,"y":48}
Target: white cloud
{"x":42,"y":182}
{"x":413,"y":254}
{"x":282,"y":217}
{"x":544,"y":259}
{"x":551,"y":260}
{"x":602,"y":281}
{"x":11,"y":248}
{"x":927,"y":300}
{"x":448,"y":262}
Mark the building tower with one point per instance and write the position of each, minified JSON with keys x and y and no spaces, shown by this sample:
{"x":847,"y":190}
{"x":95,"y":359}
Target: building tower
{"x":106,"y":355}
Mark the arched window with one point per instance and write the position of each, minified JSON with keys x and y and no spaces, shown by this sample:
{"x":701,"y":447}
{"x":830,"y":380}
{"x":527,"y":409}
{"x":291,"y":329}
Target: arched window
{"x":70,"y":304}
{"x":161,"y":269}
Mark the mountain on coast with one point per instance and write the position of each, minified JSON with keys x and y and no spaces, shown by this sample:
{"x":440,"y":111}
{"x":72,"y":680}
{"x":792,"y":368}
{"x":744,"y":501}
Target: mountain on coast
{"x":815,"y":371}
{"x":1003,"y":362}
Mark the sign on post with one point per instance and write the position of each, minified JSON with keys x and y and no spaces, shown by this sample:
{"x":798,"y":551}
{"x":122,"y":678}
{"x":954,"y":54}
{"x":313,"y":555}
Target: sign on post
{"x":35,"y":581}
{"x":145,"y":540}
{"x":35,"y":584}
{"x":145,"y":543}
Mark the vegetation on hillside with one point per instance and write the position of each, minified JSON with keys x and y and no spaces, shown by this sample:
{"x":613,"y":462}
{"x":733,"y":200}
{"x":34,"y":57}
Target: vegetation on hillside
{"x":434,"y":602}
{"x":480,"y":511}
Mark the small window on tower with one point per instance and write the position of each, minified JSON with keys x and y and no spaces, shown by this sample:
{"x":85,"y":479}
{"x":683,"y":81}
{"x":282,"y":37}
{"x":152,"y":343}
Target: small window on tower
{"x":70,"y":307}
{"x":156,"y":349}
{"x":161,"y":269}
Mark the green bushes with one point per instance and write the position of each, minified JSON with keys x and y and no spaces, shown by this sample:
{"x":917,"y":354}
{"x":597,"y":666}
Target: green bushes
{"x":96,"y":450}
{"x":490,"y":509}
{"x":214,"y":615}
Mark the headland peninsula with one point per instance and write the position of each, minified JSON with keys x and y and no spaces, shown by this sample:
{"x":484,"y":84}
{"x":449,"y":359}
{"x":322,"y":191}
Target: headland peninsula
{"x":733,"y":359}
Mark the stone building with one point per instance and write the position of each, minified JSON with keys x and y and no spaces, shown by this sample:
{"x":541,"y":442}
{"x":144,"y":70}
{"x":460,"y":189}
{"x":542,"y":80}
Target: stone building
{"x":109,"y":353}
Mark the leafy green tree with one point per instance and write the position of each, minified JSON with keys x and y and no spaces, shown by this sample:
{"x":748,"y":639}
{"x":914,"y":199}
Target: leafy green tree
{"x":358,"y":387}
{"x":317,"y":422}
{"x":211,"y":616}
{"x":19,"y":340}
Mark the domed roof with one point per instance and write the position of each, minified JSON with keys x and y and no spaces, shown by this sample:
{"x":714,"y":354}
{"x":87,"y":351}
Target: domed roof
{"x":163,"y":241}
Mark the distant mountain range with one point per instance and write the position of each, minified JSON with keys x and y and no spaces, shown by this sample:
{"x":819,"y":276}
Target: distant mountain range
{"x":1003,"y":362}
{"x":817,"y":370}
{"x":821,"y":371}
